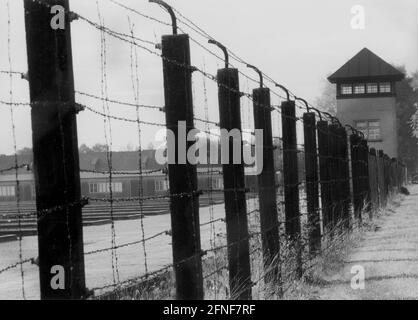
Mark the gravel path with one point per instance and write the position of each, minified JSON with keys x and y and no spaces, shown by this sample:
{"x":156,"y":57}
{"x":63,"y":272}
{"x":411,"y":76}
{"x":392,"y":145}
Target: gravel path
{"x":389,"y":256}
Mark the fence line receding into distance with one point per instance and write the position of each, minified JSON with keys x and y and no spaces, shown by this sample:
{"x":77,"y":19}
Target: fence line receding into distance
{"x":313,"y":191}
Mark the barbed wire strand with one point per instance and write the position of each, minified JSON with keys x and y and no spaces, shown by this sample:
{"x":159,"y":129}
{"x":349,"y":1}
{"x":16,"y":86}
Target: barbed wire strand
{"x":108,"y":138}
{"x":135,"y":88}
{"x":14,"y":139}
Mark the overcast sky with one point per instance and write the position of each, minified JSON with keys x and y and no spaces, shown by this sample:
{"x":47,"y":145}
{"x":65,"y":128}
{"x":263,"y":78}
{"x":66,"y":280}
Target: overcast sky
{"x":297,"y":42}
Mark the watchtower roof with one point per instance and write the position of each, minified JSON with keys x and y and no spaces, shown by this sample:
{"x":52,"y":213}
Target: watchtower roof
{"x":366,"y":65}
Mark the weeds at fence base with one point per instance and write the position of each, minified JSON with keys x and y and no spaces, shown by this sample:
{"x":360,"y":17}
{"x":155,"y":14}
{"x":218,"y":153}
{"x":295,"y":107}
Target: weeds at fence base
{"x":157,"y":288}
{"x":334,"y":251}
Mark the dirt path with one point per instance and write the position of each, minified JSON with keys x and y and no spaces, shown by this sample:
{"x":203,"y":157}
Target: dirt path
{"x":388,"y":254}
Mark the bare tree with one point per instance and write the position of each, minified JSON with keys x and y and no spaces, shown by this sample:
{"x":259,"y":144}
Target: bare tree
{"x":327,"y":101}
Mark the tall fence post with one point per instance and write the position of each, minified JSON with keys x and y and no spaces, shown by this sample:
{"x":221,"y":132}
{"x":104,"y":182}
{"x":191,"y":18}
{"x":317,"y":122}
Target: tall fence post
{"x":345,"y":178}
{"x":376,"y":178}
{"x":356,"y":174}
{"x":234,"y":185}
{"x":377,"y":181}
{"x":334,"y":172}
{"x":55,"y":153}
{"x":393,"y":175}
{"x":405,"y":174}
{"x":311,"y":176}
{"x":366,"y":175}
{"x":363,"y":179}
{"x":386,"y":176}
{"x":291,"y":180}
{"x":267,"y":183}
{"x":184,"y":196}
{"x":339,"y":175}
{"x":373,"y":182}
{"x":323,"y":154}
{"x":382,"y":189}
{"x":399,"y":175}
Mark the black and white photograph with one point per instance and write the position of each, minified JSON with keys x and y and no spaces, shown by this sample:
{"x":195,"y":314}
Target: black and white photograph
{"x":208,"y":155}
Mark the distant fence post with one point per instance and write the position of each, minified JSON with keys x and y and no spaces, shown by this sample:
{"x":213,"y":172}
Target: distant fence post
{"x":366,"y":191}
{"x":405,"y":174}
{"x":399,"y":175}
{"x":356,"y":174}
{"x":386,"y":176}
{"x":373,"y":181}
{"x":382,"y":190}
{"x":377,"y":178}
{"x":396,"y":174}
{"x":323,"y":154}
{"x":291,"y":179}
{"x":311,"y":176}
{"x":393,"y":175}
{"x":345,"y":178}
{"x":267,"y":183}
{"x":376,"y":172}
{"x":339,"y":175}
{"x":334,"y":173}
{"x":55,"y":153}
{"x":234,"y":185}
{"x":184,"y":196}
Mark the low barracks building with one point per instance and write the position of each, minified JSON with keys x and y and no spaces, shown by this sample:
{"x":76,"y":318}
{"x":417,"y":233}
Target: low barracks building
{"x":126,"y":181}
{"x":366,"y":99}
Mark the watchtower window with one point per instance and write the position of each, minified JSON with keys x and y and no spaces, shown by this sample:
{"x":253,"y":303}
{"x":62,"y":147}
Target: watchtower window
{"x":359,"y":88}
{"x":370,"y":129}
{"x":385,"y":87}
{"x":372,"y":88}
{"x":346,"y":89}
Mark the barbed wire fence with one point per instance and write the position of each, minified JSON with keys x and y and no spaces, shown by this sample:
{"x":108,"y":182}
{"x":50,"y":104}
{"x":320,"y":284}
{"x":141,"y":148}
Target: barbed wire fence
{"x":318,"y":176}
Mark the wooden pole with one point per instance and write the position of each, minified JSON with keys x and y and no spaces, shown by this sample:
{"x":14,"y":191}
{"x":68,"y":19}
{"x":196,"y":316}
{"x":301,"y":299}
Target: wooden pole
{"x":345,"y":178}
{"x":291,"y":180}
{"x":333,"y":174}
{"x":356,"y":174}
{"x":55,"y":153}
{"x":366,"y":175}
{"x":323,"y":154}
{"x":311,"y":178}
{"x":184,"y":198}
{"x":267,"y":186}
{"x":234,"y":185}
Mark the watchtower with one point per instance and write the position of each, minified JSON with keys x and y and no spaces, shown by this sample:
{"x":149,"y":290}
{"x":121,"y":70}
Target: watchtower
{"x":366,"y":99}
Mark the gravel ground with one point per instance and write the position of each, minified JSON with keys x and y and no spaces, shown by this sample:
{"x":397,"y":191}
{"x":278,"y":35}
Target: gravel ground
{"x":389,"y":255}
